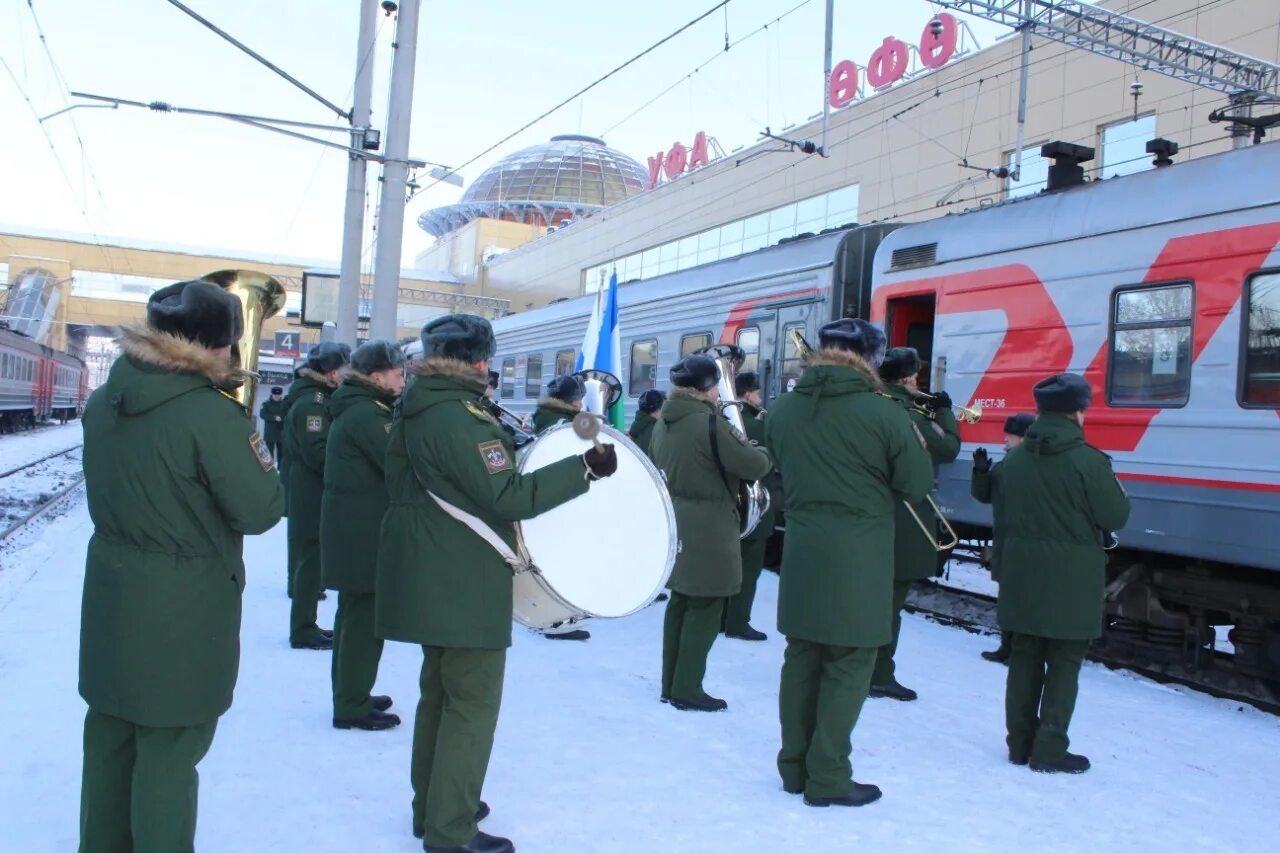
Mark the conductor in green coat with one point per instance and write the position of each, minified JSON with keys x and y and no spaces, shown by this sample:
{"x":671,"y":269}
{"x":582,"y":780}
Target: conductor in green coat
{"x":562,"y":401}
{"x":175,"y":476}
{"x":847,"y":456}
{"x":647,"y":408}
{"x":306,"y":431}
{"x":355,"y":498}
{"x":914,"y":555}
{"x":272,"y":412}
{"x":442,"y":583}
{"x":1058,"y":498}
{"x":704,"y":460}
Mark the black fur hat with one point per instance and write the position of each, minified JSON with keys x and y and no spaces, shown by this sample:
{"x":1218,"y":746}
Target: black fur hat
{"x":276,"y":389}
{"x":1018,"y":424}
{"x":1063,"y":393}
{"x":651,"y":400}
{"x":328,"y":356}
{"x":376,"y":356}
{"x":464,"y":337}
{"x":201,"y":312}
{"x":899,"y":363}
{"x":493,"y":378}
{"x":567,"y":389}
{"x":695,"y":371}
{"x":854,"y":335}
{"x":746,"y":382}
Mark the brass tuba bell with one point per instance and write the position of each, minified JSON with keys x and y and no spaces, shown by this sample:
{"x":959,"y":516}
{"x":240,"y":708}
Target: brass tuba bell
{"x":753,"y":497}
{"x":261,"y":296}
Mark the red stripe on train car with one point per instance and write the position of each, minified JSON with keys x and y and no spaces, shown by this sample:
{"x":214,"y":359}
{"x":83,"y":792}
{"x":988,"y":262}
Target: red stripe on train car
{"x":738,"y":314}
{"x":1195,"y":481}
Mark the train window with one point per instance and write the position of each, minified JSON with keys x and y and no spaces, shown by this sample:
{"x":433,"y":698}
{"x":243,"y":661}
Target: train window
{"x":792,"y":364}
{"x":1151,"y":347}
{"x":749,"y":342}
{"x":533,"y":378}
{"x":689,"y":344}
{"x":507,"y":385}
{"x":1261,"y":379}
{"x":566,"y":360}
{"x":644,"y":366}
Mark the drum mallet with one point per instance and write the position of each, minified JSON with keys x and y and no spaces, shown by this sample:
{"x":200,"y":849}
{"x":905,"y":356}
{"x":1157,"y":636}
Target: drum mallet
{"x":586,"y":425}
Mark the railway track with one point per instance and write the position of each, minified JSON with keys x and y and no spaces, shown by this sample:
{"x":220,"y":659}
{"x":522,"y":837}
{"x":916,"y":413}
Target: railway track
{"x":50,"y":481}
{"x":976,"y":613}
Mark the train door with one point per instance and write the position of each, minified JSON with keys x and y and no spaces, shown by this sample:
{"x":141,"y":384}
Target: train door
{"x":765,"y":338}
{"x":909,"y":323}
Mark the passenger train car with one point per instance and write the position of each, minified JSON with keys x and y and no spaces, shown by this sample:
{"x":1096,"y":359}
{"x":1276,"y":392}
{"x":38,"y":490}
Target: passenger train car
{"x":37,"y":383}
{"x":1163,"y":288}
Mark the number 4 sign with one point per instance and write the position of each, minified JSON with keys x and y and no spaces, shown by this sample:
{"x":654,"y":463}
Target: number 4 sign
{"x":287,"y":344}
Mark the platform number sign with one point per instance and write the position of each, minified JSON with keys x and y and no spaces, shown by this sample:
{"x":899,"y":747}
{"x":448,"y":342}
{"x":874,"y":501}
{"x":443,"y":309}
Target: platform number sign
{"x":287,"y":344}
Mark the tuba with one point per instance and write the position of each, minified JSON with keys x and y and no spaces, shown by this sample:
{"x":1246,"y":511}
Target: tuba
{"x":261,"y":296}
{"x":753,"y":497}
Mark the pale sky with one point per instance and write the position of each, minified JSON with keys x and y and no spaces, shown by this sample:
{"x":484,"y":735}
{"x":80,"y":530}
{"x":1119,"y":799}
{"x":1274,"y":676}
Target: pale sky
{"x":484,"y":68}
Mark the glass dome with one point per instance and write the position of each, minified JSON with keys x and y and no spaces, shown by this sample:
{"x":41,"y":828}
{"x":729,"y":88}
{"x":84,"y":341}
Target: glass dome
{"x":569,"y":169}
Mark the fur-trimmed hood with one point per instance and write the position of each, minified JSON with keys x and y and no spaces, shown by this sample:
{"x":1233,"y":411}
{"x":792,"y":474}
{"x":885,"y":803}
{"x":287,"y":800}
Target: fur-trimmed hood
{"x":320,"y":378}
{"x":832,"y":357}
{"x":684,"y":402}
{"x":557,"y":406}
{"x":437,"y":380}
{"x":833,"y":372}
{"x":447,"y":367}
{"x":355,"y":388}
{"x":159,"y":366}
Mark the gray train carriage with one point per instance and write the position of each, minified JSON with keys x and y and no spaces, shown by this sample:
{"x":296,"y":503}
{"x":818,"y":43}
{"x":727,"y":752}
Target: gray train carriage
{"x":37,"y":383}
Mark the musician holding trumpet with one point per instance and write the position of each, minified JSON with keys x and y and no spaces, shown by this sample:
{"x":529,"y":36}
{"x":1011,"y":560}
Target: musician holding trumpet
{"x":915,"y":553}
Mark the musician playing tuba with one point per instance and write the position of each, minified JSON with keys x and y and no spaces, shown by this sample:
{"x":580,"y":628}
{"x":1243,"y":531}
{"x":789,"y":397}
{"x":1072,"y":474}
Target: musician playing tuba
{"x":915,"y":556}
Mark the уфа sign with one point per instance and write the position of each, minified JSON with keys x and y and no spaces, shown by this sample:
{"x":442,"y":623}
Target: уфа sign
{"x":678,"y":160}
{"x":891,"y":61}
{"x":287,"y":344}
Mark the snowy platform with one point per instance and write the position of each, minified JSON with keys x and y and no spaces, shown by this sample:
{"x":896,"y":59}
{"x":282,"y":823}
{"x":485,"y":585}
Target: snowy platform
{"x":588,"y":760}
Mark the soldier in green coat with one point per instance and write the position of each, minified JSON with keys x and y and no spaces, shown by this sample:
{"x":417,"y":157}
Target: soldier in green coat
{"x":1057,"y":499}
{"x":847,"y":457}
{"x":306,"y":430}
{"x":983,"y":483}
{"x":737,"y":610}
{"x":647,"y":408}
{"x":562,"y":401}
{"x":355,"y":498}
{"x":914,"y":556}
{"x":442,"y":584}
{"x":175,"y":476}
{"x":272,"y":412}
{"x":704,"y":459}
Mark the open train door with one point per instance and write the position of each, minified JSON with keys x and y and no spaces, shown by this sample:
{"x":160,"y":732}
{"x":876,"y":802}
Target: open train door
{"x":909,"y":323}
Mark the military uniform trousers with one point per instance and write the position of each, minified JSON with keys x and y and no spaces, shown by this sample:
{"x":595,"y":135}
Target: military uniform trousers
{"x":461,"y":692}
{"x":276,"y":446}
{"x":737,"y":610}
{"x":1040,"y":695}
{"x":689,"y":629}
{"x":304,"y":587}
{"x":885,"y":667}
{"x":139,"y":785}
{"x":822,"y":692}
{"x":356,"y":654}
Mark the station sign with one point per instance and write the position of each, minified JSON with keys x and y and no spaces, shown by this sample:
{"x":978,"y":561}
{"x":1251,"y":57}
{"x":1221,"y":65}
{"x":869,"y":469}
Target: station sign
{"x":288,"y":344}
{"x":895,"y":60}
{"x":679,"y":159}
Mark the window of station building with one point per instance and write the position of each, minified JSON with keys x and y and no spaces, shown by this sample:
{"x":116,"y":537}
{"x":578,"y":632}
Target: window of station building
{"x":792,"y":363}
{"x":1261,"y":363}
{"x":533,"y":378}
{"x":1124,"y":147}
{"x":689,"y":344}
{"x":565,"y":361}
{"x":644,"y":366}
{"x":749,"y":342}
{"x":507,"y":385}
{"x":1034,"y":175}
{"x":1151,"y":347}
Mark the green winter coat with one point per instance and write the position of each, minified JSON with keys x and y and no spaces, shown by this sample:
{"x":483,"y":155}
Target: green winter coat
{"x":550,"y":412}
{"x":754,"y":420}
{"x":272,"y":413}
{"x":710,"y":562}
{"x":641,"y":431}
{"x":355,"y":492}
{"x":847,"y":455}
{"x":914,"y":558}
{"x":439,"y":584}
{"x":1056,"y":497}
{"x":175,"y":477}
{"x":984,"y":486}
{"x":306,"y":431}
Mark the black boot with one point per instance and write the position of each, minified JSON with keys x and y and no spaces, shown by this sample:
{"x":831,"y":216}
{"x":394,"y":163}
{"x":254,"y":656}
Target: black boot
{"x":749,"y":634}
{"x":579,"y":634}
{"x":1000,"y":655}
{"x":1019,"y":757}
{"x":701,"y":703}
{"x":322,"y":596}
{"x":327,"y":632}
{"x":1069,"y":763}
{"x":374,"y":721}
{"x":662,"y":596}
{"x":380,"y":703}
{"x":481,"y":813}
{"x":313,"y":638}
{"x":482,"y":843}
{"x":859,"y":795}
{"x":893,"y":690}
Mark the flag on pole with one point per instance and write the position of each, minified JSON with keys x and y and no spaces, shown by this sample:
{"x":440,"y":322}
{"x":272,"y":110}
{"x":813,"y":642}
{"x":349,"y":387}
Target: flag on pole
{"x":602,"y":346}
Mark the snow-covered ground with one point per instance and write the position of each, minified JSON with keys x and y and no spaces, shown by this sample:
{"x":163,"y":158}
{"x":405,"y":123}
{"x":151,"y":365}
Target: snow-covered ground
{"x":588,"y":760}
{"x":24,"y":490}
{"x":21,"y":448}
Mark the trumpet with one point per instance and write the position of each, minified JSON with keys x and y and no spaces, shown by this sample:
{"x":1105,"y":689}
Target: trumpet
{"x":932,"y":537}
{"x":928,"y":406}
{"x":511,"y":422}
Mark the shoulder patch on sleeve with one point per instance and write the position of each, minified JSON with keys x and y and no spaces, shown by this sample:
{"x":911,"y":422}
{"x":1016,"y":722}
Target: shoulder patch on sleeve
{"x":260,"y":450}
{"x":315,"y":423}
{"x":495,"y":456}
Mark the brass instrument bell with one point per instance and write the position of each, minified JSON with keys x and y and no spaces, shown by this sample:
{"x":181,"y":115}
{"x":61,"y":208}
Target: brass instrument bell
{"x":261,"y":296}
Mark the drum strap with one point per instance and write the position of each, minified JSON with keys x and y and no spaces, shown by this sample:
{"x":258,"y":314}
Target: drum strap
{"x":715,"y":454}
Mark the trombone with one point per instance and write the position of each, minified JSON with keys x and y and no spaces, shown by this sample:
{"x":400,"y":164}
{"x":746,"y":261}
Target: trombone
{"x":933,"y":539}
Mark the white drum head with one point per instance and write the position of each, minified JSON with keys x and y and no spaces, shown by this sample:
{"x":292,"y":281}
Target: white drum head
{"x":610,"y":552}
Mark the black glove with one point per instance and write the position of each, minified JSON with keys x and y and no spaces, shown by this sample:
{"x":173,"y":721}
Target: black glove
{"x":601,"y":461}
{"x":941,"y":401}
{"x":981,"y":461}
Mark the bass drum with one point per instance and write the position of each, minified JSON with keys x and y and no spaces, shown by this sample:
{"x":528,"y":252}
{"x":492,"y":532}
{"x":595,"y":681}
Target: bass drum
{"x":604,"y":555}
